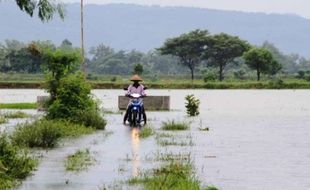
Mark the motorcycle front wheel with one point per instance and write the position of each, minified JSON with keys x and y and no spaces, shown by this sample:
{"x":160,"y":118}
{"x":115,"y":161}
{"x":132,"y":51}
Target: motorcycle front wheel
{"x":134,"y":118}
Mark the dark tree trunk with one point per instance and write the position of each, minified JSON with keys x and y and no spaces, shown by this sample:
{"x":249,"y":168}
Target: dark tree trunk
{"x":192,"y":73}
{"x":221,"y":72}
{"x":258,"y":74}
{"x":191,"y":66}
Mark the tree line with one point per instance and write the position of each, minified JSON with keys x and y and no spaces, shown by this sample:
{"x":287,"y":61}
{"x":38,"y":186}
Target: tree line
{"x":197,"y":51}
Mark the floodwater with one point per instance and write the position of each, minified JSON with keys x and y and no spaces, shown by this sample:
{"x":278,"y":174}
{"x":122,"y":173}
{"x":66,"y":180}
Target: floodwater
{"x":258,"y":139}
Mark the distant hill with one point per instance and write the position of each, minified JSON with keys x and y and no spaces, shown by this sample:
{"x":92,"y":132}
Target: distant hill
{"x":143,"y":28}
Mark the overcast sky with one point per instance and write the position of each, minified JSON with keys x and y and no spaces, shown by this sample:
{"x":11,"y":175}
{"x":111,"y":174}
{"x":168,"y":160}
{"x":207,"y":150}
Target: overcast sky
{"x":299,"y":7}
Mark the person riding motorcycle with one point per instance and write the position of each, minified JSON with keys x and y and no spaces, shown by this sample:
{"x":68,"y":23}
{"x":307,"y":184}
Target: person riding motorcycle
{"x":137,"y":88}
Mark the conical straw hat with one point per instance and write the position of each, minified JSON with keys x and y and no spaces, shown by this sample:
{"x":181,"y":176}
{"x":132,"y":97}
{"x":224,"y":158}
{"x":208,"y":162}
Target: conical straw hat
{"x":136,"y":78}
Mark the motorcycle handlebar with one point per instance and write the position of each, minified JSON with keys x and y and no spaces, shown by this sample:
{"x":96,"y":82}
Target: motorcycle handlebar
{"x":127,"y":88}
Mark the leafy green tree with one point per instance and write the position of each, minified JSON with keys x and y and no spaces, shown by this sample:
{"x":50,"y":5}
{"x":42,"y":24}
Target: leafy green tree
{"x":59,"y":63}
{"x":15,"y":56}
{"x":291,"y":63}
{"x":223,"y":49}
{"x":45,"y":8}
{"x":275,"y":67}
{"x":259,"y":59}
{"x":138,"y":69}
{"x":188,"y":47}
{"x":70,"y":93}
{"x":66,"y":44}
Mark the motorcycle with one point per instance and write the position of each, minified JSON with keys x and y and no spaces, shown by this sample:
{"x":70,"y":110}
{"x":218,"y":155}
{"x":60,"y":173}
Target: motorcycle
{"x":135,"y":113}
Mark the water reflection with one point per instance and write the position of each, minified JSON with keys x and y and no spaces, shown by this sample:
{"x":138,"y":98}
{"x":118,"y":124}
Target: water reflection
{"x":135,"y":148}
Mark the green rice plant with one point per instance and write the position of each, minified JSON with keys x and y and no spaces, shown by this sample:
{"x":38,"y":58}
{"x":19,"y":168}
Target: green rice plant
{"x":78,"y":161}
{"x":15,"y":163}
{"x":192,"y":105}
{"x":18,"y":106}
{"x":146,"y":132}
{"x":14,"y":115}
{"x":172,"y":125}
{"x":46,"y":133}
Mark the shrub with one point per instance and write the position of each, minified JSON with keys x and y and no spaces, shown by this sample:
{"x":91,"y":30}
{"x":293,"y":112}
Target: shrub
{"x":138,"y":69}
{"x":276,"y":83}
{"x":113,"y":79}
{"x":69,"y":91}
{"x":301,"y":75}
{"x":192,"y":105}
{"x":172,"y":125}
{"x":240,"y":74}
{"x":46,"y":133}
{"x":91,"y":118}
{"x":15,"y":164}
{"x":210,"y":76}
{"x":74,"y":102}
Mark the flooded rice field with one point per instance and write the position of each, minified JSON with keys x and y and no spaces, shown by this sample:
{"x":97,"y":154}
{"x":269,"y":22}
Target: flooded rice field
{"x":257,"y":139}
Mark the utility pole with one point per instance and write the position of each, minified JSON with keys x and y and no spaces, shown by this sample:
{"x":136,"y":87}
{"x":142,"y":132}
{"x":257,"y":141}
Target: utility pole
{"x":82,"y":36}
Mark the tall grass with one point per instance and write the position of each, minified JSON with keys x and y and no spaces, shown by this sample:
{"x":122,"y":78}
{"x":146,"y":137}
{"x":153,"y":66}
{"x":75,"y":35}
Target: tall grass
{"x":78,"y":161}
{"x":146,"y":132}
{"x":174,"y":125}
{"x":46,"y":133}
{"x":173,"y":176}
{"x":15,"y":164}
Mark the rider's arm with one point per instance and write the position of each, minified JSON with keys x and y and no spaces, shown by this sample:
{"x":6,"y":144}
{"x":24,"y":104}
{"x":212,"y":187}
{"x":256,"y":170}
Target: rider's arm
{"x":142,"y":91}
{"x":128,"y":90}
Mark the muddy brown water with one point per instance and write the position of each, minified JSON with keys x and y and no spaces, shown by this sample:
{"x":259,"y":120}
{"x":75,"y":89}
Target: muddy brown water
{"x":258,"y":139}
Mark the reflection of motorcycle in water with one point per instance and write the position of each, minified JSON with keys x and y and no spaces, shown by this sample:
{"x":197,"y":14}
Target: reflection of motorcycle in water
{"x":135,"y":113}
{"x":135,"y":147}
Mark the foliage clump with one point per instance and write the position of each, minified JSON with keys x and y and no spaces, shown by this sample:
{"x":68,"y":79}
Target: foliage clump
{"x":78,"y":161}
{"x":305,"y":75}
{"x":146,"y":132}
{"x":175,"y":175}
{"x":46,"y":133}
{"x":138,"y":69}
{"x":15,"y":163}
{"x":173,"y":125}
{"x":262,"y":61}
{"x":209,"y":76}
{"x":192,"y":105}
{"x":70,"y":93}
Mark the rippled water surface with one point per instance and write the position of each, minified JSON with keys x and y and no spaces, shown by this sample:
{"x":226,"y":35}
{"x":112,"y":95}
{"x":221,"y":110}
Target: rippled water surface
{"x":258,"y":139}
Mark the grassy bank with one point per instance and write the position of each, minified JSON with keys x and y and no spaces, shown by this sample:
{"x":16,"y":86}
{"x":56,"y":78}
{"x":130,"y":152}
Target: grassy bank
{"x":18,"y":105}
{"x":180,"y":84}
